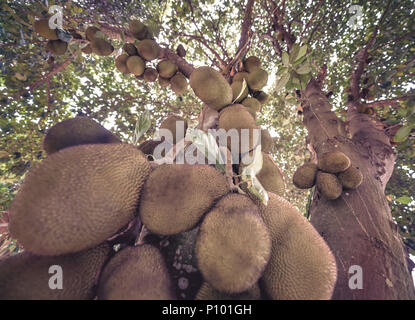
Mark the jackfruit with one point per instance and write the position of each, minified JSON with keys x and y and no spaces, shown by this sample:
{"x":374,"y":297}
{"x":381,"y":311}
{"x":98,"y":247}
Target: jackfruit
{"x":138,"y":29}
{"x":170,"y":123}
{"x":150,"y":74}
{"x":252,"y":63}
{"x":135,"y":65}
{"x":257,"y":79}
{"x":76,"y":131}
{"x":233,"y":245}
{"x":147,"y":147}
{"x":175,"y":196}
{"x":148,"y":49}
{"x":130,"y":49}
{"x":181,"y":51}
{"x":136,"y":273}
{"x":78,"y":197}
{"x":179,"y":83}
{"x":270,"y":176}
{"x":253,"y":105}
{"x":301,"y":264}
{"x":211,"y":87}
{"x":121,"y":63}
{"x":351,"y":178}
{"x":261,"y":96}
{"x":266,"y":141}
{"x":87,"y":49}
{"x":305,"y":176}
{"x":238,"y":117}
{"x":163,"y":82}
{"x":329,"y":186}
{"x":207,"y":292}
{"x":25,"y":276}
{"x":101,"y":47}
{"x":167,"y":69}
{"x":236,"y":91}
{"x":240,"y":76}
{"x":90,"y":33}
{"x":57,"y":47}
{"x":333,"y":162}
{"x":42,"y":27}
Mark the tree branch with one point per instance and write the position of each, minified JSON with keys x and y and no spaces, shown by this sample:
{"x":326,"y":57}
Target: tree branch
{"x":387,"y":102}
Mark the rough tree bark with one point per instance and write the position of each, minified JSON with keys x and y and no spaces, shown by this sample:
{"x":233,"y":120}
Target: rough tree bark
{"x":358,"y":226}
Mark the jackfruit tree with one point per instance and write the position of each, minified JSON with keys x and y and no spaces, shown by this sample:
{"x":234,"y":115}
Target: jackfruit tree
{"x":330,"y":183}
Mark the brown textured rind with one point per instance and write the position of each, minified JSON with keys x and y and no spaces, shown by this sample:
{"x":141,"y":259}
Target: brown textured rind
{"x":305,"y":176}
{"x":351,"y":178}
{"x":333,"y":162}
{"x":207,"y":292}
{"x":329,"y":185}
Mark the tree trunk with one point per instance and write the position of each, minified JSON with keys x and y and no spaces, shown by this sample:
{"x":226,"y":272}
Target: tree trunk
{"x":358,"y":226}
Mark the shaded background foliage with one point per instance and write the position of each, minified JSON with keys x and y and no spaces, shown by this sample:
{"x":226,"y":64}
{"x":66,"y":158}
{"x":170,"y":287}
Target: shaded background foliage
{"x":209,"y":30}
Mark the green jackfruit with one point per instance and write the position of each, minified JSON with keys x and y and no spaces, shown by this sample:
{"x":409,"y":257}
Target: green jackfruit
{"x":148,"y":49}
{"x":121,"y":63}
{"x":78,"y":197}
{"x":170,"y":124}
{"x":136,"y":273}
{"x":166,"y":69}
{"x":333,"y":162}
{"x":179,"y":83}
{"x":57,"y":47}
{"x":305,"y":176}
{"x":211,"y":87}
{"x":270,"y":176}
{"x":163,"y":82}
{"x":138,"y":29}
{"x":301,"y":265}
{"x":329,"y":185}
{"x":26,"y":276}
{"x":207,"y":292}
{"x":176,"y":196}
{"x":136,"y":65}
{"x":150,"y":74}
{"x":257,"y":79}
{"x":351,"y":178}
{"x":240,"y":76}
{"x":253,"y":105}
{"x":252,"y":63}
{"x":101,"y":47}
{"x":76,"y":131}
{"x":90,"y":33}
{"x":233,"y":245}
{"x":181,"y":51}
{"x":42,"y":28}
{"x":266,"y":141}
{"x":237,"y":94}
{"x":130,"y":49}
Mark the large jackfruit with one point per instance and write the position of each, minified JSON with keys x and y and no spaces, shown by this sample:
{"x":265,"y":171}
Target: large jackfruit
{"x":166,"y":69}
{"x":176,"y":196}
{"x":163,"y":82}
{"x":26,"y":276}
{"x":305,"y":176}
{"x":57,"y":47}
{"x":76,"y":131}
{"x":252,"y":63}
{"x":121,"y":63}
{"x":78,"y":197}
{"x":233,"y":245}
{"x":138,"y":29}
{"x":148,"y":49}
{"x":207,"y":292}
{"x":270,"y":176}
{"x":301,"y":264}
{"x":101,"y":47}
{"x":136,"y":273}
{"x":266,"y":141}
{"x":211,"y":87}
{"x":135,"y":65}
{"x":257,"y":79}
{"x":333,"y":162}
{"x":253,"y":105}
{"x":150,"y":74}
{"x":179,"y":83}
{"x":42,"y":27}
{"x":171,"y":123}
{"x":351,"y":178}
{"x":329,"y":185}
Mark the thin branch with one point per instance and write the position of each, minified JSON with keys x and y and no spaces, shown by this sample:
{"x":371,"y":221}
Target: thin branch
{"x":311,"y":19}
{"x":387,"y":102}
{"x":246,"y":25}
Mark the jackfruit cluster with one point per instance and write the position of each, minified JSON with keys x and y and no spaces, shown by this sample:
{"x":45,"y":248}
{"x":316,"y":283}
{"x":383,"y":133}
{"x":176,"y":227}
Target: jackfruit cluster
{"x":97,"y":44}
{"x":331,"y":175}
{"x":54,"y":44}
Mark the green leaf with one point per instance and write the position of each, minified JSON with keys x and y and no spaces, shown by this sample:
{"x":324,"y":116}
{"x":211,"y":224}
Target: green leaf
{"x":403,"y":133}
{"x":294,"y":52}
{"x":282,"y":71}
{"x":244,"y":85}
{"x":282,"y":82}
{"x":141,"y":127}
{"x":206,"y":143}
{"x":303,"y":69}
{"x":301,"y":52}
{"x":285,"y":59}
{"x":404,"y":200}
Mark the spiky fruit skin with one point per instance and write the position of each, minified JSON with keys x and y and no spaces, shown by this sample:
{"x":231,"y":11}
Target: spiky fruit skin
{"x":130,"y":49}
{"x":207,"y":292}
{"x":136,"y":273}
{"x":262,"y":97}
{"x":167,"y":69}
{"x":148,"y":49}
{"x":136,"y":65}
{"x":138,"y":29}
{"x":42,"y":28}
{"x":101,"y":47}
{"x":252,"y":63}
{"x":328,"y":185}
{"x":179,"y":83}
{"x":181,"y":51}
{"x":270,"y":176}
{"x":240,"y":76}
{"x":163,"y":82}
{"x":252,"y":104}
{"x":238,"y":117}
{"x":237,"y":96}
{"x":176,"y":196}
{"x":78,"y":197}
{"x":333,"y":162}
{"x":233,"y":245}
{"x":26,"y":276}
{"x":211,"y":87}
{"x":150,"y":74}
{"x":121,"y":63}
{"x":170,"y":123}
{"x":57,"y":47}
{"x":351,"y":178}
{"x":305,"y":176}
{"x":301,"y":264}
{"x":90,"y":33}
{"x":257,"y":79}
{"x":76,"y":131}
{"x":266,"y":141}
